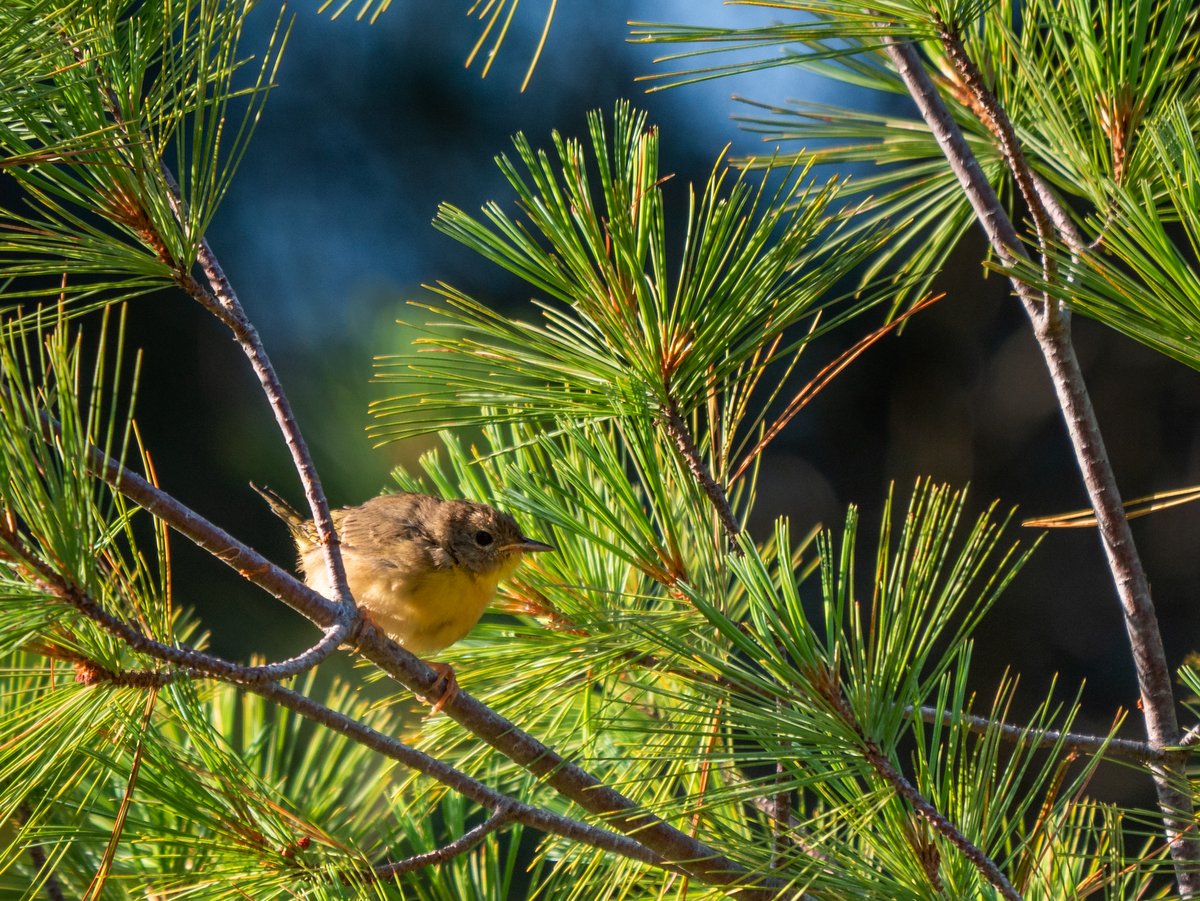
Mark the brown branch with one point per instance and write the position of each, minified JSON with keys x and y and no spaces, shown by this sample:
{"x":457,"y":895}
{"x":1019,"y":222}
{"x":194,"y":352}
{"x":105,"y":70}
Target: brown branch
{"x":460,"y":845}
{"x":679,"y":433}
{"x":52,"y":583}
{"x":995,"y":118}
{"x":988,"y":209}
{"x":1054,"y":340}
{"x":1063,"y":223}
{"x":1112,"y":748}
{"x":219,"y":298}
{"x":505,"y":808}
{"x":88,"y":672}
{"x":832,"y":692}
{"x":702,"y":861}
{"x":460,"y":782}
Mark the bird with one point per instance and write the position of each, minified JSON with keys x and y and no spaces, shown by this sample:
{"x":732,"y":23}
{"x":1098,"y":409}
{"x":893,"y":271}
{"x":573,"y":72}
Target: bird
{"x":421,"y":568}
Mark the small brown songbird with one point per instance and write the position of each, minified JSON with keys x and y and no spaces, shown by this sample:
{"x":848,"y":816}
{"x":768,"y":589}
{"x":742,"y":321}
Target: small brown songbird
{"x":421,"y":568}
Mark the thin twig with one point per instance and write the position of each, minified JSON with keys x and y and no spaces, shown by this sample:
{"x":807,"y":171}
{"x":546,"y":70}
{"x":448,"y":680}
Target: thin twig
{"x":995,"y":118}
{"x":460,"y":782}
{"x":1054,"y":340}
{"x":53,"y":583}
{"x":91,"y":673}
{"x":792,"y":830}
{"x":679,"y":433}
{"x":219,"y":298}
{"x":988,"y":209}
{"x":884,"y":767}
{"x":1063,"y":223}
{"x":1092,"y":745}
{"x":459,"y":846}
{"x":818,"y":383}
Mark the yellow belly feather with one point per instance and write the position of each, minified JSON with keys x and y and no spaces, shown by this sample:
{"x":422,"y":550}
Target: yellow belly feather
{"x":425,"y":612}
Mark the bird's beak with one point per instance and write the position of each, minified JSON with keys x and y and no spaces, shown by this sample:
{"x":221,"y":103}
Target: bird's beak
{"x":529,"y":546}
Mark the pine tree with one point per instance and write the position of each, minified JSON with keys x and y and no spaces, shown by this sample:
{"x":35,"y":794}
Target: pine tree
{"x":672,"y":706}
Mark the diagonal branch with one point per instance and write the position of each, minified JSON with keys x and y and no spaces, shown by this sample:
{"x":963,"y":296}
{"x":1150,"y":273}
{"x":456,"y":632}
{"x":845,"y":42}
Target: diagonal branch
{"x":818,"y":383}
{"x":460,"y":845}
{"x":460,"y":782}
{"x":219,"y":298}
{"x":681,"y":435}
{"x":570,"y":780}
{"x":1054,"y":339}
{"x":995,"y":118}
{"x":832,"y":691}
{"x":988,"y":210}
{"x":52,"y":583}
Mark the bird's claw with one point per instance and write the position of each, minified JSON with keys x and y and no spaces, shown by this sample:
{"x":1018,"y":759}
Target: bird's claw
{"x":445,"y":674}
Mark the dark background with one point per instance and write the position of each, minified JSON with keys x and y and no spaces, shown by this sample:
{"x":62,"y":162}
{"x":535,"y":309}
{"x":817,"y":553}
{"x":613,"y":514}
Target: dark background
{"x":327,"y":234}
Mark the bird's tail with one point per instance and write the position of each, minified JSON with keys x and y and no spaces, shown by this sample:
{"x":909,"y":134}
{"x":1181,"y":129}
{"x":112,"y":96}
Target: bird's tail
{"x":285,"y":511}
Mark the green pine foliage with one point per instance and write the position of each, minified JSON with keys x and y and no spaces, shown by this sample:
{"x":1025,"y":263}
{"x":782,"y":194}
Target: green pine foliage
{"x":800,"y":701}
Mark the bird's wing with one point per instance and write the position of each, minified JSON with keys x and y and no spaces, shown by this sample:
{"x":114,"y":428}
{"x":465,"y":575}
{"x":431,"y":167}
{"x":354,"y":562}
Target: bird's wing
{"x":385,"y":521}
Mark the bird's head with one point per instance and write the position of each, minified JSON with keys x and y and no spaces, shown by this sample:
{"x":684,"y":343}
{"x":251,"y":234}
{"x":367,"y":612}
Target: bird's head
{"x":481,"y":539}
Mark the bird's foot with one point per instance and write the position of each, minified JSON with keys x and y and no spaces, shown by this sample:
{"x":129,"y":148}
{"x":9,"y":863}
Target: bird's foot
{"x":445,"y":674}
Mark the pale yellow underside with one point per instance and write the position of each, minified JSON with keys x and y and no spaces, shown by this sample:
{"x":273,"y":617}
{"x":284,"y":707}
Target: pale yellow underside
{"x":425,"y":612}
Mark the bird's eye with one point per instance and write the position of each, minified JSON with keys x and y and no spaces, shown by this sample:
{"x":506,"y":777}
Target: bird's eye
{"x":483,"y":539}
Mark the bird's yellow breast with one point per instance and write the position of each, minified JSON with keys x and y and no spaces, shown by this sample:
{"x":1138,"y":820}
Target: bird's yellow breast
{"x":424,"y":610}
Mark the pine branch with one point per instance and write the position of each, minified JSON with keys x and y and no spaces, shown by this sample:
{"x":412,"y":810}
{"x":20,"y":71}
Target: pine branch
{"x":831,"y":690}
{"x":988,"y":209}
{"x":459,"y":846}
{"x":679,"y":433}
{"x":525,"y":814}
{"x":1063,"y":223}
{"x":995,"y":117}
{"x":91,"y":673}
{"x":1053,"y":337}
{"x":52,"y":583}
{"x":703,"y":861}
{"x":572,"y":781}
{"x":1112,"y":748}
{"x":505,"y":808}
{"x":200,"y":665}
{"x":219,"y":298}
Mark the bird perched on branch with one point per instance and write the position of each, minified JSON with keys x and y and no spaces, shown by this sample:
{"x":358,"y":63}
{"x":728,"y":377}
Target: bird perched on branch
{"x":421,"y":568}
